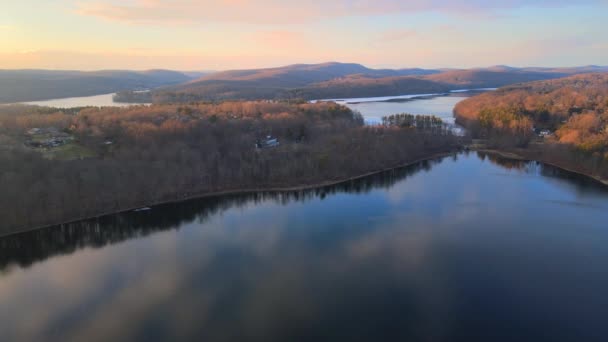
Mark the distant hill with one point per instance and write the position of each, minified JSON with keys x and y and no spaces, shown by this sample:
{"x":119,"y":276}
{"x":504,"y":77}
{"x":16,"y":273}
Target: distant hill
{"x":288,"y":76}
{"x":571,"y":70}
{"x":548,"y":103}
{"x":366,"y":86}
{"x":298,"y":81}
{"x":33,"y":85}
{"x":492,"y":77}
{"x":336,"y":80}
{"x":299,"y":75}
{"x":197,"y":74}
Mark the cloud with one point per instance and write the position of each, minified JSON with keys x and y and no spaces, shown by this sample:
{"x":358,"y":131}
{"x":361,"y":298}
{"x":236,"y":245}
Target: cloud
{"x":287,"y":12}
{"x":141,"y":59}
{"x":397,"y":35}
{"x":551,"y":46}
{"x":278,"y":38}
{"x":7,"y":28}
{"x":568,"y":50}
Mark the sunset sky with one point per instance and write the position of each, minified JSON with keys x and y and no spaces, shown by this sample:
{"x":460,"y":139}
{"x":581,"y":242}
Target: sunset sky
{"x":228,"y":34}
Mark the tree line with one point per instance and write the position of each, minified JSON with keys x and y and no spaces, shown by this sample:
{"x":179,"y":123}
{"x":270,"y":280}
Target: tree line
{"x":34,"y":246}
{"x":163,"y":153}
{"x":421,"y":122}
{"x":574,"y":110}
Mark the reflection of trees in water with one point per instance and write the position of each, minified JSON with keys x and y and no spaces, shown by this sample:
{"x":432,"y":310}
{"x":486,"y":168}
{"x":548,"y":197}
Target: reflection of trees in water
{"x":30,"y":247}
{"x":507,"y":163}
{"x":581,"y":183}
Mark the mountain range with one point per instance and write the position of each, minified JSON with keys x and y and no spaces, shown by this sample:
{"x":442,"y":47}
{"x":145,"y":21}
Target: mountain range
{"x":301,"y":81}
{"x":336,"y":80}
{"x":34,"y":85}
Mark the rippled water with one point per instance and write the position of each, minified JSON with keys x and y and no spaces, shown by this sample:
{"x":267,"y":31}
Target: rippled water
{"x":465,"y":248}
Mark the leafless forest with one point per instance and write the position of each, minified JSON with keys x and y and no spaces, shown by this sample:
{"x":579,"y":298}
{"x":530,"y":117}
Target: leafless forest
{"x":571,"y":115}
{"x":119,"y":159}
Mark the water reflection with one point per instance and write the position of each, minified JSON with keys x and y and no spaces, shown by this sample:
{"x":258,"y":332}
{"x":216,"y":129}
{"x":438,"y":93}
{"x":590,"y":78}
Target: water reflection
{"x":27,"y":248}
{"x":465,"y":248}
{"x":580,"y":183}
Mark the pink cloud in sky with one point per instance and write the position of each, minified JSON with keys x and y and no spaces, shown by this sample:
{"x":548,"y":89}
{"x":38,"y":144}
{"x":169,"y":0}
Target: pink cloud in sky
{"x":141,"y":59}
{"x":285,"y":12}
{"x":278,"y":39}
{"x":397,"y":35}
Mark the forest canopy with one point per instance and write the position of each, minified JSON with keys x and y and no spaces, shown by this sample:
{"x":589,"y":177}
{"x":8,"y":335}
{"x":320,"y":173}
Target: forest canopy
{"x":570,"y":113}
{"x":576,"y":108}
{"x":59,"y":165}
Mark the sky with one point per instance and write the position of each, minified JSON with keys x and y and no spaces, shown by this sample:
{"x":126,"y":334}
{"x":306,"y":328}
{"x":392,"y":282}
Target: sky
{"x":240,"y":34}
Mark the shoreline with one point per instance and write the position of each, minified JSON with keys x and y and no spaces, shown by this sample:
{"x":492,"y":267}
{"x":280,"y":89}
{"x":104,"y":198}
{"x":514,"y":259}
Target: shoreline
{"x":504,"y":154}
{"x":231,"y":192}
{"x":516,"y":156}
{"x":402,"y":97}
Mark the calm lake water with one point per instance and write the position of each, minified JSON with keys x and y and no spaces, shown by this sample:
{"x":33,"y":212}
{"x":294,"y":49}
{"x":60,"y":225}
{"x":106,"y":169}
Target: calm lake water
{"x":441,"y":106}
{"x":372,"y":109}
{"x":465,"y":248}
{"x":104,"y":100}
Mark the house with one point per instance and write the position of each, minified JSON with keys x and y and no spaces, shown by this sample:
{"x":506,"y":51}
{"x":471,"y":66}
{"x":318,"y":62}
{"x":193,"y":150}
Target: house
{"x":268,"y":142}
{"x":49,"y":137}
{"x":54,"y":142}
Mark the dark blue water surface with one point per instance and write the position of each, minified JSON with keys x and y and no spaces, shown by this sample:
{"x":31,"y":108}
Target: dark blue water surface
{"x":467,"y":248}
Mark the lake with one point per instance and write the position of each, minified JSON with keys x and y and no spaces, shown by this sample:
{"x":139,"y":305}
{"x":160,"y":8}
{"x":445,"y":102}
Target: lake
{"x":104,"y":100}
{"x":440,"y":105}
{"x":463,"y":248}
{"x":372,"y":108}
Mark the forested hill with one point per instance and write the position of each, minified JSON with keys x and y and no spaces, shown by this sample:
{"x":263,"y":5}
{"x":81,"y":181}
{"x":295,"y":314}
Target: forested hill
{"x":83,"y":162}
{"x":331,"y":80}
{"x":304,"y":74}
{"x":491,"y":77}
{"x":367,"y":86}
{"x":34,"y":85}
{"x":572,"y":112}
{"x":547,"y":103}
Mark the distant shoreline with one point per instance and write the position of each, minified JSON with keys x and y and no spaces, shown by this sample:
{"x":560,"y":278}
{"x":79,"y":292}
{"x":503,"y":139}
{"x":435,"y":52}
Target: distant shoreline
{"x":78,"y":101}
{"x":405,"y":97}
{"x":397,"y":98}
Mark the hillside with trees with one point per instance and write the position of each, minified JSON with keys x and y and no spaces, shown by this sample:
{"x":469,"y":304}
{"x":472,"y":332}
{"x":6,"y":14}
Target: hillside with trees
{"x":305,"y":74}
{"x":366,"y":86}
{"x":491,"y":77}
{"x":61,"y":165}
{"x":35,"y":85}
{"x":306,"y":81}
{"x":571,"y":113}
{"x":339,"y":80}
